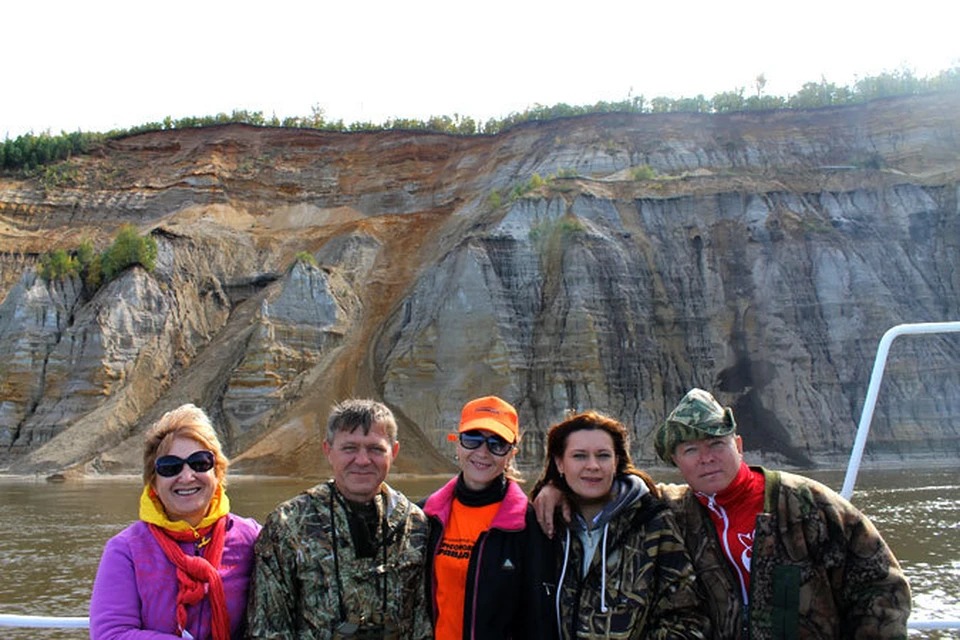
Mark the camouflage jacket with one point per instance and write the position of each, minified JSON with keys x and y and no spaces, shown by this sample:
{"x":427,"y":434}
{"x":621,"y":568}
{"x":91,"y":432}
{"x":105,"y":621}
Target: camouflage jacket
{"x":819,"y":568}
{"x":296,"y":590}
{"x":649,"y":588}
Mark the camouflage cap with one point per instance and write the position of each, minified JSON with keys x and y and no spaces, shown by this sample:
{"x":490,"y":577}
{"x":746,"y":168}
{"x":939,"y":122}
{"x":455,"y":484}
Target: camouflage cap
{"x":698,"y":416}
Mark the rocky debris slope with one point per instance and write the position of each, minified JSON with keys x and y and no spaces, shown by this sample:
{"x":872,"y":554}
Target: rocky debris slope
{"x":602,"y":262}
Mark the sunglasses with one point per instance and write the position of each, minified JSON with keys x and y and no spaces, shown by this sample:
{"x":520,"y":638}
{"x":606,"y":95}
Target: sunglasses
{"x":199,"y":461}
{"x":495,"y":444}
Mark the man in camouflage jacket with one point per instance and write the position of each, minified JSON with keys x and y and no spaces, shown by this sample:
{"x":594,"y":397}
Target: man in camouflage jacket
{"x":815,"y":567}
{"x":345,"y":558}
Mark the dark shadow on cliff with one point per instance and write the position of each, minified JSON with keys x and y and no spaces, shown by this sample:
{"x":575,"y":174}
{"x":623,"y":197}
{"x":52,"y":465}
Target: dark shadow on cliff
{"x":760,"y":428}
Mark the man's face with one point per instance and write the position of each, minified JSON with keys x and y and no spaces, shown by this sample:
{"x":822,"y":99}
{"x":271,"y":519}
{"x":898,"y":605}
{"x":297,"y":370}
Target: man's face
{"x":360,"y":462}
{"x":711,"y":464}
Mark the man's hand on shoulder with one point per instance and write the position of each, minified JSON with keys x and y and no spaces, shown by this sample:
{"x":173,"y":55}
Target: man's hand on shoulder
{"x":546,"y":504}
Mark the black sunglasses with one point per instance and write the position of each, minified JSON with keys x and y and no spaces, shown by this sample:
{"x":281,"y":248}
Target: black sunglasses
{"x":199,"y":461}
{"x":495,"y":444}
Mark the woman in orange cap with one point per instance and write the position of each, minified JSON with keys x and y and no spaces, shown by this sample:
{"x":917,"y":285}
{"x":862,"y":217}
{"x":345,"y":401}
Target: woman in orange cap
{"x":489,"y":566}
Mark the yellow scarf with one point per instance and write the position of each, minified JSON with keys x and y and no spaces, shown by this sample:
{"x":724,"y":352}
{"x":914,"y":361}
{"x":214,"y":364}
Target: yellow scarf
{"x":197,"y":576}
{"x":152,"y":512}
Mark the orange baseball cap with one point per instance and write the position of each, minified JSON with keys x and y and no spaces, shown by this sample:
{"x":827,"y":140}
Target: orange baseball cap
{"x":492,"y":414}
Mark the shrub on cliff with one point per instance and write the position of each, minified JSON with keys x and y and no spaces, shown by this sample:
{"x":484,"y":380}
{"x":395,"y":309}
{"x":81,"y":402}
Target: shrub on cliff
{"x":90,"y":267}
{"x":128,"y":249}
{"x":57,"y":265}
{"x":643,"y":172}
{"x":306,"y":257}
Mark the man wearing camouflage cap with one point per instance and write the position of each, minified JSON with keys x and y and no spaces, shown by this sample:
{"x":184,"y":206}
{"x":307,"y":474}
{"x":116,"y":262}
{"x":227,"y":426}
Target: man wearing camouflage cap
{"x":781,"y":555}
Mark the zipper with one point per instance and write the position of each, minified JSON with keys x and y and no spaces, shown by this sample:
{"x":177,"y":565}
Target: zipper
{"x":732,"y":569}
{"x":481,"y":543}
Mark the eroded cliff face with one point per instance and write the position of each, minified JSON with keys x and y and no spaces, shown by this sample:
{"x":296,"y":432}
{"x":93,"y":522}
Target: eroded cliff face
{"x":759,"y":255}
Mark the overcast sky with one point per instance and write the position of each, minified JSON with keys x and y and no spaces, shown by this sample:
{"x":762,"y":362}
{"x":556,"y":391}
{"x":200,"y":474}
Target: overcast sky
{"x":97,"y":65}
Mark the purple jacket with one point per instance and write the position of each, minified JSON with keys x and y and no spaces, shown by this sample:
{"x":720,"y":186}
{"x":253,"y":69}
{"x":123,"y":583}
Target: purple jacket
{"x":135,"y":592}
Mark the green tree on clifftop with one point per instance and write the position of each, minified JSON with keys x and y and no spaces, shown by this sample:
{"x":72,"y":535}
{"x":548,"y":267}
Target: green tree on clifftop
{"x":29,"y":152}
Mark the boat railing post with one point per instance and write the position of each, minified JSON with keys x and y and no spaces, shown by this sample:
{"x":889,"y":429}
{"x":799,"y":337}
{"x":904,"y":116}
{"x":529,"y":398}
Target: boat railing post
{"x":873,"y":390}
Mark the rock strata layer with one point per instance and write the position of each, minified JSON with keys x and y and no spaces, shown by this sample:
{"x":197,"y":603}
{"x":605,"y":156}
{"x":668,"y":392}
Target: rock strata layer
{"x":605,"y":262}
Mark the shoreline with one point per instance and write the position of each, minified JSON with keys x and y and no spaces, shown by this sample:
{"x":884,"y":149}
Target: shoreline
{"x":874,"y":464}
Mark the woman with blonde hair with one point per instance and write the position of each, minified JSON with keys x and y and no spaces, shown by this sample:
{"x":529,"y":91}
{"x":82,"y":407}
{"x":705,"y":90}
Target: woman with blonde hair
{"x":624,"y":570}
{"x":488,"y":563}
{"x":183,"y":568}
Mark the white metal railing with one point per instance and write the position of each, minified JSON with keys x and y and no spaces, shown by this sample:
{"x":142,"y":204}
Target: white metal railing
{"x":44,"y":622}
{"x":874,"y":389}
{"x":866,"y":416}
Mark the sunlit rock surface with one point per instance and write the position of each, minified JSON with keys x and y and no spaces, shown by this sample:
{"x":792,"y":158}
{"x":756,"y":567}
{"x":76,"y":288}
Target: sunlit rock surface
{"x":603,"y":262}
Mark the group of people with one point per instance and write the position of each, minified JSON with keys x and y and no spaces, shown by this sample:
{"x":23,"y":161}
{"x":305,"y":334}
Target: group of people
{"x":602,"y":552}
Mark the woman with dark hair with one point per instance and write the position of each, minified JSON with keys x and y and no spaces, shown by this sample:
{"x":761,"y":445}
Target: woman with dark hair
{"x":183,"y":568}
{"x":489,"y":565}
{"x":624,"y":571}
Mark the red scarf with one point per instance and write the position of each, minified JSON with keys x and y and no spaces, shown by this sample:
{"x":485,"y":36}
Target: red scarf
{"x":197,"y":576}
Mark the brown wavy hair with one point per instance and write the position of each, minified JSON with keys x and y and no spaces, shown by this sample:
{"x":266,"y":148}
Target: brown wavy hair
{"x":557,"y":438}
{"x":187,"y":421}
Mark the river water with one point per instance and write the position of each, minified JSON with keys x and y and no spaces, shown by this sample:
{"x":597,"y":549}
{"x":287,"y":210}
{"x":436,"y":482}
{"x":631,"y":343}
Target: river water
{"x":51,"y":534}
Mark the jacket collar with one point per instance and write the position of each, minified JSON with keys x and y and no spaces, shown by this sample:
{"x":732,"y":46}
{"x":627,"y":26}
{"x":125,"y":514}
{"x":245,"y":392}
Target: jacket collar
{"x":510,"y":516}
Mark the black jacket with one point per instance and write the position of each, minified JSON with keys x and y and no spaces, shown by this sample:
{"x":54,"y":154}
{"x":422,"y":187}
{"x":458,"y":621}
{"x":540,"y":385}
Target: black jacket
{"x":511,"y":575}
